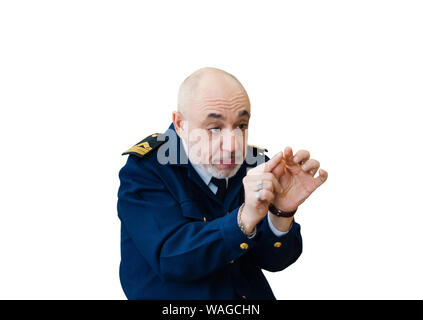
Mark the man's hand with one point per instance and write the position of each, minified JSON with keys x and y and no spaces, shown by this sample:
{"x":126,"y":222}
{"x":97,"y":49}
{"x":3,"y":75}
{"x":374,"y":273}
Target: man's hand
{"x":260,"y":186}
{"x":295,"y":175}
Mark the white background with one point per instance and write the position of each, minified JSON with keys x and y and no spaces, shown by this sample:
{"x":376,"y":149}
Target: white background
{"x":82,"y":81}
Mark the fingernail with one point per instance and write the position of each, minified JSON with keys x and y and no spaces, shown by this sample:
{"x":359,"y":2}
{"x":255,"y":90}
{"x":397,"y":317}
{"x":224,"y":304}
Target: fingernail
{"x":257,"y":195}
{"x":295,"y":159}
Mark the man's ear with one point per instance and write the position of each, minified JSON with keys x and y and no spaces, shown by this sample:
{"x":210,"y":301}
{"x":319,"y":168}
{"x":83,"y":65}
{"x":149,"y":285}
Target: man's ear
{"x":178,"y":123}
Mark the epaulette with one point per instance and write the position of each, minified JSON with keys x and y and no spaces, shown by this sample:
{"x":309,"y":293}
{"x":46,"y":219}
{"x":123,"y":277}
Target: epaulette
{"x":255,"y":151}
{"x":146,"y":145}
{"x":258,"y":148}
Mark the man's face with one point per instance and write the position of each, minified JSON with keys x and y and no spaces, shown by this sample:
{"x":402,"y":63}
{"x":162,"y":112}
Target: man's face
{"x":216,"y":130}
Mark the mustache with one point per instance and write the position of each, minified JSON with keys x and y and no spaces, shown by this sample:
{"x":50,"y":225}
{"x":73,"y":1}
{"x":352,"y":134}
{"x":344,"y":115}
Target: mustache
{"x":228,"y":158}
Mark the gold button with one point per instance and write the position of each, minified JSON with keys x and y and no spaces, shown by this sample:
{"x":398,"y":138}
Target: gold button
{"x":232,"y":261}
{"x":228,"y":212}
{"x":277,"y":244}
{"x":244,"y":297}
{"x":243,"y":246}
{"x":204,"y":219}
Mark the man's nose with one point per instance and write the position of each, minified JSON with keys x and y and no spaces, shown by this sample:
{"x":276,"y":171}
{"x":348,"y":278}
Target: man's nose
{"x":228,"y":141}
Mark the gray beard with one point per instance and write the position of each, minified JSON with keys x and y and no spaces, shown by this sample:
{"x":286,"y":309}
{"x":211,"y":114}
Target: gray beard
{"x":217,"y":174}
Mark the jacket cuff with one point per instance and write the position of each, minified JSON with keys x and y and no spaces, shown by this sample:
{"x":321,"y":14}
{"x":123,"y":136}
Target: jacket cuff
{"x":267,"y":233}
{"x":235,"y":241}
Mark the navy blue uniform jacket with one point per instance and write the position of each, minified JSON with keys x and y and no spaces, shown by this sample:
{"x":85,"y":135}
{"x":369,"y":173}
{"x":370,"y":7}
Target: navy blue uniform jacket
{"x":178,"y":241}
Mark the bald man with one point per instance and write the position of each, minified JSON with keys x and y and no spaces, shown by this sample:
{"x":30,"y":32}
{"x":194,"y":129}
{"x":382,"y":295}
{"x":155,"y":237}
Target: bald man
{"x":202,"y":212}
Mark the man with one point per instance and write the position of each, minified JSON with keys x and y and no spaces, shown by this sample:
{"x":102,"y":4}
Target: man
{"x":195,"y":224}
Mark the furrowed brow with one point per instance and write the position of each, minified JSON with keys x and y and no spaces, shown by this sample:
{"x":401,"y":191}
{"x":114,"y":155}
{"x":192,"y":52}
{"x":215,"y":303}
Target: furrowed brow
{"x":243,"y":113}
{"x":215,"y":116}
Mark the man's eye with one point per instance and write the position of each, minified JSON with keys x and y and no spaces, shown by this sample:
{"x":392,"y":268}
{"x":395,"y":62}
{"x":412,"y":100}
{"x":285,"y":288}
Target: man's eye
{"x":214,"y":130}
{"x":242,"y":126}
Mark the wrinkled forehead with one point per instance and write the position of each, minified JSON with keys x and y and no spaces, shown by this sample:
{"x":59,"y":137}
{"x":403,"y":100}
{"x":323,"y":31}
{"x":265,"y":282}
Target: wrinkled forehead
{"x":223,"y":103}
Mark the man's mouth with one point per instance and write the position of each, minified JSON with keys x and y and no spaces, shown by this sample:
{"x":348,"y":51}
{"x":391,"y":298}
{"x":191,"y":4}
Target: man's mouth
{"x":227,"y":161}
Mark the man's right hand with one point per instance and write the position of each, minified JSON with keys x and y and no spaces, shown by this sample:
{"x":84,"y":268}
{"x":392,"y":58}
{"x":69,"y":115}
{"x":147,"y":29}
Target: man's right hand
{"x":257,"y":201}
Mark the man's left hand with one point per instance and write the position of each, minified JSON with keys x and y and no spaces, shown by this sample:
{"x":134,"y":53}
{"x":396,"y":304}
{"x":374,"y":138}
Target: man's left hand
{"x":296,"y":177}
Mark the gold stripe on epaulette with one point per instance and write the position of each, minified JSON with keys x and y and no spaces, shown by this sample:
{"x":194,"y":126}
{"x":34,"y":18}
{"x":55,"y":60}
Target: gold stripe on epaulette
{"x":141,"y":148}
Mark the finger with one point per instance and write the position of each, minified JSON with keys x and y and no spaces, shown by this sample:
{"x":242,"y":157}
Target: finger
{"x":272,"y":163}
{"x":311,"y":165}
{"x":288,"y":154}
{"x":279,"y":169}
{"x":259,"y":177}
{"x":321,"y":178}
{"x":265,"y":181}
{"x":262,"y":185}
{"x":272,"y":179}
{"x":312,"y":172}
{"x":268,"y":166}
{"x":273,"y":185}
{"x":276,"y":185}
{"x":301,"y":156}
{"x":264,"y":195}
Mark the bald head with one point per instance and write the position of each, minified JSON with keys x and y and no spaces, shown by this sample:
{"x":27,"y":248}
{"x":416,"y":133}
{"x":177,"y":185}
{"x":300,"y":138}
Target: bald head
{"x":207,"y":83}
